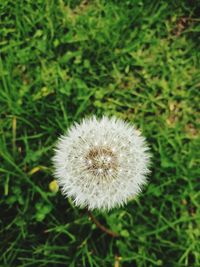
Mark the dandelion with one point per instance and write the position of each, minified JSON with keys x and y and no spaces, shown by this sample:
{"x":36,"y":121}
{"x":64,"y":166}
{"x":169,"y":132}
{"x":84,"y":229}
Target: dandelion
{"x":101,"y":163}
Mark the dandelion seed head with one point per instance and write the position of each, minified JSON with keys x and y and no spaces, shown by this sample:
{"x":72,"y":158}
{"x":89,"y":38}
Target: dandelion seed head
{"x":101,"y":163}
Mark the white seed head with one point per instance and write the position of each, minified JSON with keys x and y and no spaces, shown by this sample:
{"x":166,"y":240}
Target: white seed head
{"x":101,"y":163}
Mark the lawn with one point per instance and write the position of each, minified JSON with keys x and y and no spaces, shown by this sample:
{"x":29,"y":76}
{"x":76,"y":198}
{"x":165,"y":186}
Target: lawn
{"x":62,"y":60}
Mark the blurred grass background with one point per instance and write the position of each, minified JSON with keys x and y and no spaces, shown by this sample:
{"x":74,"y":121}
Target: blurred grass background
{"x":63,"y":60}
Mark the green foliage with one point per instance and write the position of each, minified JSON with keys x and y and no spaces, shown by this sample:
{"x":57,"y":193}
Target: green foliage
{"x":63,"y":60}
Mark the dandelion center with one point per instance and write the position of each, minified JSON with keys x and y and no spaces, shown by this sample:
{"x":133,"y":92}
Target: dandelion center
{"x":101,"y":161}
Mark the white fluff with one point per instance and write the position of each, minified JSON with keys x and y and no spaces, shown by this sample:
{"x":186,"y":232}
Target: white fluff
{"x":101,"y":163}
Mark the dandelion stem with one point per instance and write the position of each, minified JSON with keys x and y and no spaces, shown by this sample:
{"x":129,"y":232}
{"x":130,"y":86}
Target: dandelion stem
{"x":100,"y":226}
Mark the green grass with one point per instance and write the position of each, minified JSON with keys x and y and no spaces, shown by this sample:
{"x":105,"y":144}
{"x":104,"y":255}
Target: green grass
{"x":63,"y":60}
